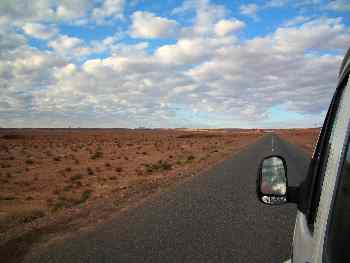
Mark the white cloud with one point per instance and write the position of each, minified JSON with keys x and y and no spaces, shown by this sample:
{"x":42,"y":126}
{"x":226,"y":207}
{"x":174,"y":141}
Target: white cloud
{"x":329,"y":5}
{"x":10,"y":41}
{"x":76,"y":12}
{"x":19,"y":11}
{"x":208,"y":71}
{"x":244,"y":77}
{"x":65,"y":44}
{"x":147,"y":25}
{"x":339,"y":5}
{"x":207,"y":15}
{"x":109,"y":8}
{"x":65,"y":71}
{"x":249,"y":10}
{"x":297,"y":20}
{"x":186,"y":6}
{"x":75,"y":48}
{"x":71,"y":10}
{"x":39,"y":31}
{"x":224,"y":27}
{"x":320,"y":34}
{"x":24,"y":10}
{"x":232,"y":81}
{"x":185,"y":51}
{"x":276,"y":3}
{"x":22,"y":70}
{"x":191,"y":50}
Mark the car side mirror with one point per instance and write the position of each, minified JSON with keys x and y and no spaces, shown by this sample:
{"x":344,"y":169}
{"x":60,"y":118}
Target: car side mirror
{"x":272,"y":182}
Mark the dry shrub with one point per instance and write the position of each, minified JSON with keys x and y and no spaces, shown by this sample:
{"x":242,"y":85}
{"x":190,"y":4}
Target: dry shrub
{"x":97,"y":155}
{"x":190,"y":158}
{"x":13,"y":137}
{"x":76,"y":177}
{"x":29,"y":161}
{"x":68,"y":202}
{"x":8,"y":220}
{"x":57,"y":158}
{"x":7,"y":198}
{"x":90,"y":171}
{"x":158,"y":167}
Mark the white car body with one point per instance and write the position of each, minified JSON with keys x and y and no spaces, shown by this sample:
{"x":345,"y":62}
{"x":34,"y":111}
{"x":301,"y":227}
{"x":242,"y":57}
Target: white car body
{"x":308,"y":246}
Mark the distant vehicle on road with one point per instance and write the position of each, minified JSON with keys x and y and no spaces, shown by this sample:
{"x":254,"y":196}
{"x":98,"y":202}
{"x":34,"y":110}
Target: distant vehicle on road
{"x":322,"y":227}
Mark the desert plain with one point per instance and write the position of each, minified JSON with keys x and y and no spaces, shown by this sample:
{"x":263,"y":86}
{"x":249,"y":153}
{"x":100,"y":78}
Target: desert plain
{"x":56,"y":182}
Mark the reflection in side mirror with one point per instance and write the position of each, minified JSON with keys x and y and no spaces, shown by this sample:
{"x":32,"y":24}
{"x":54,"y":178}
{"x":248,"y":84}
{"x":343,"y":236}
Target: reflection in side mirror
{"x":272,"y":181}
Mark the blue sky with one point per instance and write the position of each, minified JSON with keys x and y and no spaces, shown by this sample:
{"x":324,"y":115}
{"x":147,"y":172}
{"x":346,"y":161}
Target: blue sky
{"x":192,"y":63}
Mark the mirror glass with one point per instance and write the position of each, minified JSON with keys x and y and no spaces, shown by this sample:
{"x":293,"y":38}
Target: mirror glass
{"x":273,"y":177}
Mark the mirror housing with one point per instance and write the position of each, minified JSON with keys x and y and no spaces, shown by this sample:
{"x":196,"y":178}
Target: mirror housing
{"x":272,"y":181}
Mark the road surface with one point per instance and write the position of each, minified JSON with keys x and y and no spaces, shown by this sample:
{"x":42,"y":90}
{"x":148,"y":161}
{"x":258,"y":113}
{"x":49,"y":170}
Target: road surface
{"x":212,"y":218}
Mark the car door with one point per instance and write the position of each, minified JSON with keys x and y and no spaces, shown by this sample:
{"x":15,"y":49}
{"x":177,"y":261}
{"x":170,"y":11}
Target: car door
{"x":337,"y":234}
{"x":314,"y":212}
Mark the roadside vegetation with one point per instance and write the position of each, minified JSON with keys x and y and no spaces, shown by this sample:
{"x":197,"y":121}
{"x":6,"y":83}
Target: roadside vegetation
{"x":81,"y":177}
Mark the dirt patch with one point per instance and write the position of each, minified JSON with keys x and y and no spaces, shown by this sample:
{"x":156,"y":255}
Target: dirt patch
{"x":12,"y":137}
{"x":199,"y":135}
{"x":55,"y":181}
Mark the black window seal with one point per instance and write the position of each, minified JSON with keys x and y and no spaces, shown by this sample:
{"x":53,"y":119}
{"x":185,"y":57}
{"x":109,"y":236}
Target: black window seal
{"x":336,"y":192}
{"x":308,"y":193}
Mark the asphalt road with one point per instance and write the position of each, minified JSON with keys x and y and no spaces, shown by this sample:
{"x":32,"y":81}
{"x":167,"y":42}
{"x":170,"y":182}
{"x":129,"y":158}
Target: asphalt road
{"x":211,"y":218}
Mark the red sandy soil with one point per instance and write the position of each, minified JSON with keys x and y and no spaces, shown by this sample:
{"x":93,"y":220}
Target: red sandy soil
{"x":55,"y":181}
{"x":304,"y":138}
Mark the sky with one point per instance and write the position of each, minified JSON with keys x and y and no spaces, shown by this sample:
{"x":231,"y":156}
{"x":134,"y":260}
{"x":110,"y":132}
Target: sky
{"x":191,"y":63}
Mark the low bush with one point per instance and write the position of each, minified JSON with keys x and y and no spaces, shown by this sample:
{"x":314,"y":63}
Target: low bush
{"x":68,"y":202}
{"x":85,"y":195}
{"x":7,"y":198}
{"x":158,"y":167}
{"x":90,"y":171}
{"x":29,"y":161}
{"x":57,"y":158}
{"x":76,"y":177}
{"x":20,"y":217}
{"x":190,"y":158}
{"x":97,"y":155}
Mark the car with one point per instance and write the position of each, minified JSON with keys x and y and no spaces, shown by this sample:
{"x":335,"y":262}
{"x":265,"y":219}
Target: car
{"x":322,"y":226}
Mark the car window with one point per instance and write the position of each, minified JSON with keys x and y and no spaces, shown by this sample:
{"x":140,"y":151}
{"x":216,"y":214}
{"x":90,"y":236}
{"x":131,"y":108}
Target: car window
{"x":323,"y":154}
{"x":339,"y":228}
